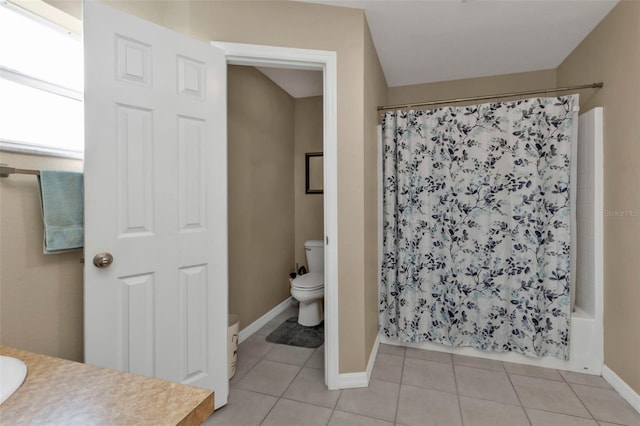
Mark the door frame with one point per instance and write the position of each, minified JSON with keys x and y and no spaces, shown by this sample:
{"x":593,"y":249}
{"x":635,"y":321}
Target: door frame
{"x":326,"y":61}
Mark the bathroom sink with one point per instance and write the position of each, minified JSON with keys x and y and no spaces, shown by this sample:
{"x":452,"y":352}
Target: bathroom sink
{"x":12,"y":375}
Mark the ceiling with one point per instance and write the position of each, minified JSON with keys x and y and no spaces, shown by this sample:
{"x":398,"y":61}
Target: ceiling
{"x":298,"y":83}
{"x":423,"y":41}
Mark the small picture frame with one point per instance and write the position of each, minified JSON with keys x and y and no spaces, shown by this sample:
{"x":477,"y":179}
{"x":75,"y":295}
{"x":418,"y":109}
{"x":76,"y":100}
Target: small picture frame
{"x":314,"y":173}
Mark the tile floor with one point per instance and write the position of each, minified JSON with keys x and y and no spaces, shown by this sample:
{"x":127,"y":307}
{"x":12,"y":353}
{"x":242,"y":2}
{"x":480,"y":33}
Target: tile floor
{"x":284,"y":385}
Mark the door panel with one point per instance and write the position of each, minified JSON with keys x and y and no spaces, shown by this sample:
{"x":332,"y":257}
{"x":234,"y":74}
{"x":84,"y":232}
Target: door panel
{"x":155,"y":197}
{"x":138,"y":293}
{"x":193,"y":321}
{"x":192,"y":180}
{"x":135,"y":170}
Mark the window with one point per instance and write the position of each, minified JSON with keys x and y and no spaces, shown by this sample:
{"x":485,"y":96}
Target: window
{"x":41,"y":81}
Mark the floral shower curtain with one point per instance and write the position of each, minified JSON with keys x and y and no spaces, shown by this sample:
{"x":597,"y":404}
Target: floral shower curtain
{"x":476,"y":226}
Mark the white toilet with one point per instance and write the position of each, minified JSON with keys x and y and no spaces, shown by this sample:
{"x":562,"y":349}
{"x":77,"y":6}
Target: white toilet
{"x":308,"y":289}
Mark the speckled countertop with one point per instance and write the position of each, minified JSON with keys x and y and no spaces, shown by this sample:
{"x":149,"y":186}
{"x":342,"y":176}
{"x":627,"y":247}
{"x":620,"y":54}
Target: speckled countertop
{"x":63,"y":392}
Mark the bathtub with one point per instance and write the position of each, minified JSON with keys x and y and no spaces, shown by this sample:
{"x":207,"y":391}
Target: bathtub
{"x":585,"y":348}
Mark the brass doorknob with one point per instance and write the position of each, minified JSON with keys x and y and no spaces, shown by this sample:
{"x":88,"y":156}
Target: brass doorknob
{"x":102,"y":260}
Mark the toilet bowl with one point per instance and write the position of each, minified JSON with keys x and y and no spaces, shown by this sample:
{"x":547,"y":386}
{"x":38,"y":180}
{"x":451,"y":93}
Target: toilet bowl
{"x":308,"y":289}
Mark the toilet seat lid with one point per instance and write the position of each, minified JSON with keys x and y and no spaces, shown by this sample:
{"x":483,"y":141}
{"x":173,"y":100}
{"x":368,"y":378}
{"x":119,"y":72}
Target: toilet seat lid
{"x":310,"y":281}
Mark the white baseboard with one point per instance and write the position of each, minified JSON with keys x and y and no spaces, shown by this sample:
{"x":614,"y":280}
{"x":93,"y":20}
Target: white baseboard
{"x":353,"y":380}
{"x":372,"y":358}
{"x":621,"y":387}
{"x":360,"y":379}
{"x":249,"y":330}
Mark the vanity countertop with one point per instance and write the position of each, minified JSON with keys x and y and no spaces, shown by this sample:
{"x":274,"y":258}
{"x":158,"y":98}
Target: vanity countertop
{"x":57,"y":391}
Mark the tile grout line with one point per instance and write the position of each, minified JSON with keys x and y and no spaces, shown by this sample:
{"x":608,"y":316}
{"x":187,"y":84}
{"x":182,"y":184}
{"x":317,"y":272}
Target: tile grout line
{"x":307,"y":403}
{"x":269,"y":412}
{"x":289,"y":363}
{"x":333,"y":412}
{"x":455,"y":381}
{"x":478,"y":368}
{"x":278,"y":398}
{"x":285,"y":389}
{"x":517,"y":396}
{"x":466,"y":396}
{"x":580,"y":400}
{"x":420,"y":386}
{"x":550,"y":411}
{"x":404,"y":357}
{"x":519,"y":404}
{"x":363,"y":415}
{"x":569,"y":415}
{"x":260,"y":359}
{"x":244,"y":375}
{"x":302,"y":367}
{"x":251,"y":369}
{"x":485,"y":399}
{"x":430,"y":360}
{"x":591,"y":386}
{"x":534,"y":377}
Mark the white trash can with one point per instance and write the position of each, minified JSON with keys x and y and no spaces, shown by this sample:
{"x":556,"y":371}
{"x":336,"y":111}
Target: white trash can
{"x":233,"y":328}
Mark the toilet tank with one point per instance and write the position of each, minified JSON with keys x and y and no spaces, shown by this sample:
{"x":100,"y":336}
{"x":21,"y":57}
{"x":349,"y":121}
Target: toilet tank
{"x":314,"y":251}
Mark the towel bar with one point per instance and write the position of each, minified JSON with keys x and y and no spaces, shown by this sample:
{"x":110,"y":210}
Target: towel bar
{"x":5,"y":171}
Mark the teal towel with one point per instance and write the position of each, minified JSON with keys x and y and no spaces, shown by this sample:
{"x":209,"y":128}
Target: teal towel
{"x":62,"y":196}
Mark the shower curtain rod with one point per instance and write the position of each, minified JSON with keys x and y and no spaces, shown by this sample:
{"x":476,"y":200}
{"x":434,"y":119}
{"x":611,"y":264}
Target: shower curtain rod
{"x":486,"y":97}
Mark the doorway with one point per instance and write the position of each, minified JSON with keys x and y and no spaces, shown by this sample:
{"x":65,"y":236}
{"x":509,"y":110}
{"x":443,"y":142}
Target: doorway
{"x":325,"y":61}
{"x":274,"y":119}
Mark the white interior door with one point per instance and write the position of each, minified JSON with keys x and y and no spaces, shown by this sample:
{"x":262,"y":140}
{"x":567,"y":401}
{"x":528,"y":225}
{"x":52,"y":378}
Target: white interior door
{"x":155,"y":198}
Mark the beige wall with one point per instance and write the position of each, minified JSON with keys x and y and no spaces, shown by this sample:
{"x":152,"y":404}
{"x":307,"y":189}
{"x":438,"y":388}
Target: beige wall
{"x":301,"y":25}
{"x":611,"y":53}
{"x":261,"y":202}
{"x":309,"y":208}
{"x":375,"y":94}
{"x":71,"y":7}
{"x":472,"y":87}
{"x":40,"y":295}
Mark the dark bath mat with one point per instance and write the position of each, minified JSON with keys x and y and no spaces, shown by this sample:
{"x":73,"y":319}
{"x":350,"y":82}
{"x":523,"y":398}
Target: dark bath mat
{"x":293,"y":334}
